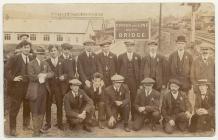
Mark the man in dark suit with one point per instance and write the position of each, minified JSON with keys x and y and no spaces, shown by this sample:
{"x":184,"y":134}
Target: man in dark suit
{"x":17,"y":81}
{"x":38,"y":89}
{"x":180,"y":63}
{"x":204,"y":116}
{"x":88,"y":64}
{"x":154,"y":65}
{"x":175,"y":108}
{"x":56,"y":65}
{"x":68,"y":66}
{"x":203,"y":67}
{"x":129,"y":67}
{"x":117,"y":98}
{"x":147,"y":104}
{"x":78,"y":106}
{"x":108,"y":62}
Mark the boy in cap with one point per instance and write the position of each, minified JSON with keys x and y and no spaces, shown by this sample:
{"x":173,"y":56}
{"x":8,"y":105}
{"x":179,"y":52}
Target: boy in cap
{"x":204,"y":116}
{"x":78,"y":106}
{"x":108,"y":62}
{"x":96,"y":92}
{"x":147,"y":104}
{"x":17,"y":83}
{"x":88,"y":64}
{"x":129,"y":67}
{"x":154,"y":65}
{"x":180,"y":63}
{"x":38,"y":89}
{"x":203,"y":67}
{"x":117,"y":102}
{"x":175,"y":108}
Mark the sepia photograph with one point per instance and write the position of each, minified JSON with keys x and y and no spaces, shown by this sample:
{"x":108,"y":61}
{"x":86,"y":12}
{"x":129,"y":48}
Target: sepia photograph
{"x":96,"y":70}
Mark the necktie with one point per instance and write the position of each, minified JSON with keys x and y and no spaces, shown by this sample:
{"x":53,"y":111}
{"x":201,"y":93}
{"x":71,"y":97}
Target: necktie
{"x":26,"y":65}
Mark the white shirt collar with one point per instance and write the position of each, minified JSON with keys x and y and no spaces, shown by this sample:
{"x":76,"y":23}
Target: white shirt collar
{"x":65,"y":57}
{"x":175,"y":95}
{"x":116,"y":88}
{"x":153,"y":55}
{"x":147,"y":93}
{"x":106,"y":54}
{"x":24,"y":58}
{"x":88,"y":53}
{"x":74,"y":94}
{"x":129,"y":55}
{"x":39,"y":62}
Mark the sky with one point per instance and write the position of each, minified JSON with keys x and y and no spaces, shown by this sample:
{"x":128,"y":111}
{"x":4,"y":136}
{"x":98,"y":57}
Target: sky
{"x":110,"y":11}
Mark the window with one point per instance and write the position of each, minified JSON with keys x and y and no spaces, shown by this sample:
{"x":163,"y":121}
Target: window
{"x":32,"y":36}
{"x":59,"y":38}
{"x":7,"y":37}
{"x":77,"y":39}
{"x":46,"y":37}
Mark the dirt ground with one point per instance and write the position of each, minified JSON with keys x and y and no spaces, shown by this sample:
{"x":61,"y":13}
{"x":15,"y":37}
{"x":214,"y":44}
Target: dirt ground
{"x":117,"y":132}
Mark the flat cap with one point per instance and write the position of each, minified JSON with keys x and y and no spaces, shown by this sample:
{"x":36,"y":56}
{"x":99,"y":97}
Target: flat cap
{"x":66,"y":46}
{"x":152,"y":42}
{"x":202,"y":82}
{"x":205,"y":46}
{"x":175,"y":81}
{"x":105,"y":42}
{"x":40,"y":50}
{"x":75,"y":82}
{"x":148,"y":81}
{"x":117,"y":78}
{"x":24,"y":35}
{"x":89,"y":42}
{"x":129,"y":42}
{"x":181,"y":38}
{"x":97,"y":75}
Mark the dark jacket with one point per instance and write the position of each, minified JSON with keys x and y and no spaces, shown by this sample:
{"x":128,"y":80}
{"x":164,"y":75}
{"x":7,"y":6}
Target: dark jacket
{"x":123,"y":65}
{"x":161,"y":69}
{"x":111,"y":97}
{"x":87,"y":67}
{"x":183,"y":74}
{"x":72,"y":109}
{"x":152,"y":100}
{"x":167,"y":107}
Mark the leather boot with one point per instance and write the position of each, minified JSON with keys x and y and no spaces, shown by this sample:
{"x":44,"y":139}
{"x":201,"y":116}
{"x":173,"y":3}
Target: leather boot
{"x":36,"y":132}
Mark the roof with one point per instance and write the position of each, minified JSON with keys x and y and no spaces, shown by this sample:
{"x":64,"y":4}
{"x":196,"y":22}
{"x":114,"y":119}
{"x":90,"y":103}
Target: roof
{"x":35,"y":25}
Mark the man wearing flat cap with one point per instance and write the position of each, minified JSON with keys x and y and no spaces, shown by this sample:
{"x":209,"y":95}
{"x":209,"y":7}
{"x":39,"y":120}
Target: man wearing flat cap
{"x":117,"y":102}
{"x":17,"y":84}
{"x":180,"y":63}
{"x":204,"y":112}
{"x":97,"y":94}
{"x":78,"y":106}
{"x":108,"y":62}
{"x":68,"y":66}
{"x":203,"y":67}
{"x":147,"y":104}
{"x":129,"y":67}
{"x":154,"y":65}
{"x":175,"y":108}
{"x":38,"y":89}
{"x":88,"y":64}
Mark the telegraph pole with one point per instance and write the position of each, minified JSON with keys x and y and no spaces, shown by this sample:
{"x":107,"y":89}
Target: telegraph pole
{"x":160,"y":17}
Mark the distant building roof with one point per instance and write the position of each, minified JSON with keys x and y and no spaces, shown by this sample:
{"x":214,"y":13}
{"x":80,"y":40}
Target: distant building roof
{"x":57,"y":26}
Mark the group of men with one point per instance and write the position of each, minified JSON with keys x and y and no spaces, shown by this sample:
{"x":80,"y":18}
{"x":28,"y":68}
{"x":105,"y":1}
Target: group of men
{"x":115,"y":87}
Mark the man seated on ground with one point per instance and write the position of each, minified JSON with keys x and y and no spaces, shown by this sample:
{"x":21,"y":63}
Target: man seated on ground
{"x":117,"y":102}
{"x":78,"y":106}
{"x":204,"y":116}
{"x":147,"y":105}
{"x":175,"y":108}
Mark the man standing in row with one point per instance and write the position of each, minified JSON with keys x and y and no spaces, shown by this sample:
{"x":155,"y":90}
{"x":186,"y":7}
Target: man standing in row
{"x":108,"y":62}
{"x":18,"y":80}
{"x":88,"y":64}
{"x":180,"y":63}
{"x":129,"y":68}
{"x":154,"y":65}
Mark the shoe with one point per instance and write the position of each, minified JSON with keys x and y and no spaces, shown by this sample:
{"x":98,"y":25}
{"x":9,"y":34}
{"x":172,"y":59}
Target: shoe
{"x":86,"y":128}
{"x":153,"y":127}
{"x":100,"y":125}
{"x":46,"y":127}
{"x":126,"y":128}
{"x":13,"y":133}
{"x":61,"y":127}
